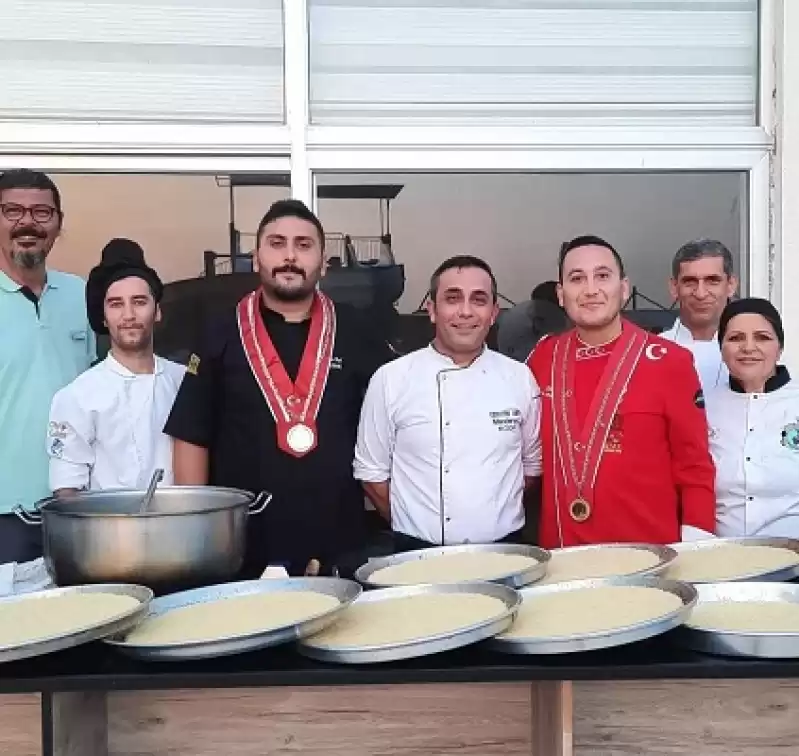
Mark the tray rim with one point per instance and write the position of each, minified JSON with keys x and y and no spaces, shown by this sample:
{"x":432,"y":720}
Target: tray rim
{"x":515,"y":579}
{"x":53,"y":643}
{"x":665,"y":553}
{"x":771,"y":576}
{"x":601,"y":638}
{"x":397,"y":651}
{"x":760,"y":634}
{"x":233,"y":590}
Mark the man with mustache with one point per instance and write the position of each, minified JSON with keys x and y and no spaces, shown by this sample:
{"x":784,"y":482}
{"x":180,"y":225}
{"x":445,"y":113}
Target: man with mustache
{"x":106,"y":427}
{"x":624,"y":433}
{"x":270,"y":402}
{"x":702,"y":282}
{"x":45,"y":342}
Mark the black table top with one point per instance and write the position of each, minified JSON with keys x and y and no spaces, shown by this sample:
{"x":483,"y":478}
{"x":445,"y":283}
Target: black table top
{"x":99,"y":667}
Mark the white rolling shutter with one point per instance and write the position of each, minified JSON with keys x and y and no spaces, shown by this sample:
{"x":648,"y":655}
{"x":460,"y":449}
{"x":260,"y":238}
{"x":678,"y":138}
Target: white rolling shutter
{"x":556,"y":62}
{"x":179,"y":60}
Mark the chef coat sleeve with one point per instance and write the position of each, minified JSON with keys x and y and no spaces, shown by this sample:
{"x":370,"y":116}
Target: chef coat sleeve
{"x":193,"y":414}
{"x":376,"y":433}
{"x":70,"y":441}
{"x":531,"y":429}
{"x":692,"y":466}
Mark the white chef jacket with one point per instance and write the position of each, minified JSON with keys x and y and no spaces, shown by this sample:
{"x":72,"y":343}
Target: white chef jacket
{"x":754,"y":440}
{"x":709,"y":366}
{"x":455,"y":443}
{"x":106,"y":427}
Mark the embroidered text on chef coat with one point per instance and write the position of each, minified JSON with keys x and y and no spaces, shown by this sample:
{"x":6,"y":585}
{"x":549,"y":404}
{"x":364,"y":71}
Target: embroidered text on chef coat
{"x":455,"y":443}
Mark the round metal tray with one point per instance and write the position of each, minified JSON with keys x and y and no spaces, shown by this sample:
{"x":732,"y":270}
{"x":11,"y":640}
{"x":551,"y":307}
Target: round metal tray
{"x":762,"y":645}
{"x":606,"y":638}
{"x":433,"y":644}
{"x":513,"y":580}
{"x":775,"y":576}
{"x":346,"y":591}
{"x":121,"y":622}
{"x":665,"y":554}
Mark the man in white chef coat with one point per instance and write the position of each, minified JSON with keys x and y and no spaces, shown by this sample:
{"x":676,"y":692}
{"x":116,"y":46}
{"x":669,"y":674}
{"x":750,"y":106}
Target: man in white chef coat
{"x":106,"y":426}
{"x":449,"y":434}
{"x":702,"y":282}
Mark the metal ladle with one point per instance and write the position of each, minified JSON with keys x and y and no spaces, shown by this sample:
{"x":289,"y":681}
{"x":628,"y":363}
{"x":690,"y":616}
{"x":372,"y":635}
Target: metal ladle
{"x":158,"y":476}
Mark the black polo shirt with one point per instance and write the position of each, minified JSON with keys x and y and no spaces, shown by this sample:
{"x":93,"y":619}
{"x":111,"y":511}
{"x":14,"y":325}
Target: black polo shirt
{"x":317,"y":510}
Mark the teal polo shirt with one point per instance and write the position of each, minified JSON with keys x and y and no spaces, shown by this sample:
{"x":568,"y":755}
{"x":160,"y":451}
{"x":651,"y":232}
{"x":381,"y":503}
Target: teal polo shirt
{"x":44,"y":345}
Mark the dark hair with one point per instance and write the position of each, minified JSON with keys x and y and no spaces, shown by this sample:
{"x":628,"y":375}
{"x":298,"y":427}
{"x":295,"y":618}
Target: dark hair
{"x":461,"y":261}
{"x":754,"y":306}
{"x":23,"y":178}
{"x":587,"y":241}
{"x":291,"y":208}
{"x":546,"y":292}
{"x":699,"y":249}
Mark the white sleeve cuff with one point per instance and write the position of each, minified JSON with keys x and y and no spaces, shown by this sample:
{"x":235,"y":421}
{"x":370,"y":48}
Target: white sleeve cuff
{"x":68,"y":475}
{"x":689,"y":533}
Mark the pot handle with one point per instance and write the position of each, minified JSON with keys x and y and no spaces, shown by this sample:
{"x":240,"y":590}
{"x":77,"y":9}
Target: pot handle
{"x":29,"y":518}
{"x":259,"y":503}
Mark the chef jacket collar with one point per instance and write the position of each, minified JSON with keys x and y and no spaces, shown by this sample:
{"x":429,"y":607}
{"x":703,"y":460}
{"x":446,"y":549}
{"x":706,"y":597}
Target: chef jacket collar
{"x":449,"y":362}
{"x":777,"y":381}
{"x":120,"y":369}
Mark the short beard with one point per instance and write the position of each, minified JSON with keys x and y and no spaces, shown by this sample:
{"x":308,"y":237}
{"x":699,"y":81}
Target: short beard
{"x":29,"y":260}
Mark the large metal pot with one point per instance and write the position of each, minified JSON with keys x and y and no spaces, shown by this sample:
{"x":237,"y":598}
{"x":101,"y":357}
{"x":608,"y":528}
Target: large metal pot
{"x":189,"y":536}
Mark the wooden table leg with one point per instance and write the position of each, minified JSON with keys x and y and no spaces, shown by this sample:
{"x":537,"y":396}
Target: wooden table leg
{"x":75,"y":724}
{"x":552,"y":716}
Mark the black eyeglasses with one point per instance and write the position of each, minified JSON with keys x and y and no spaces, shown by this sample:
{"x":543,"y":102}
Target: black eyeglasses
{"x":39,"y":213}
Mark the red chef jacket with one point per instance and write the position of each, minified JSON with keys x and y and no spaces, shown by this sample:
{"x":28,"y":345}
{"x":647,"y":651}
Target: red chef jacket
{"x":637,"y":403}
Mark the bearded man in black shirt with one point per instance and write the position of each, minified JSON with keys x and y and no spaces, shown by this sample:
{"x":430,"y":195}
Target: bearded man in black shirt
{"x":271,"y":402}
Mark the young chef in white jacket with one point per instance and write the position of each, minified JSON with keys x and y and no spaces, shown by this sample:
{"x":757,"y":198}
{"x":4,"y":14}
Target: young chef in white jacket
{"x":754,"y":426}
{"x":449,"y":434}
{"x":702,"y":282}
{"x":106,"y":426}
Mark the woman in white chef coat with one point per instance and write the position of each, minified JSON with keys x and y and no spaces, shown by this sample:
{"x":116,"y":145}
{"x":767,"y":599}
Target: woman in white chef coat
{"x":754,"y":426}
{"x":106,"y":427}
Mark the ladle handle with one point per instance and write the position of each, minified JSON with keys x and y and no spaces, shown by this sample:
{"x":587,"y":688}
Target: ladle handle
{"x":158,"y":476}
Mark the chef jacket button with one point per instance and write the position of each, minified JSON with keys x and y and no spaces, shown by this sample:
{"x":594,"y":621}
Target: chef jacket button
{"x":447,"y":423}
{"x":750,"y":498}
{"x":448,"y":519}
{"x":748,"y":459}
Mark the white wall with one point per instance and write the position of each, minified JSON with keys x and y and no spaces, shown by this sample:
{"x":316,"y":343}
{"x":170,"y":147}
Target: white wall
{"x":787,"y":174}
{"x":516,"y":222}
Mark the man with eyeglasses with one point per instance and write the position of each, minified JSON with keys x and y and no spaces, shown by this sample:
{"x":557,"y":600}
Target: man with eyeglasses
{"x":45,"y":342}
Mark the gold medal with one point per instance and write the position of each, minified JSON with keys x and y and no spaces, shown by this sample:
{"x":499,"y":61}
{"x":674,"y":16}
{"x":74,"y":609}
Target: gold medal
{"x":300,"y":438}
{"x":580,"y":510}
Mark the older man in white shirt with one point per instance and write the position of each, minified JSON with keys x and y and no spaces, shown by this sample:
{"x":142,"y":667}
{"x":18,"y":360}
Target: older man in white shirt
{"x":449,"y":434}
{"x":106,"y":426}
{"x":702,"y":282}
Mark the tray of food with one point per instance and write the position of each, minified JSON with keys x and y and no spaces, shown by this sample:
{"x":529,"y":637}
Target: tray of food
{"x":607,"y":560}
{"x":234,"y":618}
{"x":41,"y":623}
{"x":720,"y":560}
{"x":744,"y":619}
{"x":585,"y":615}
{"x":508,"y":564}
{"x":404,"y":622}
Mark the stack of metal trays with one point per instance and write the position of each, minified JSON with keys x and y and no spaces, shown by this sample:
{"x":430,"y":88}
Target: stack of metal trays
{"x":424,"y":646}
{"x":606,"y":639}
{"x":765,"y":645}
{"x":121,"y":622}
{"x":665,"y":556}
{"x":773,"y":576}
{"x":345,"y":591}
{"x":530,"y":574}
